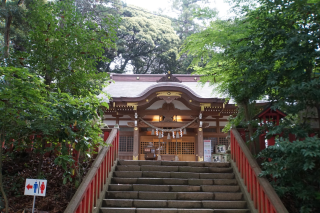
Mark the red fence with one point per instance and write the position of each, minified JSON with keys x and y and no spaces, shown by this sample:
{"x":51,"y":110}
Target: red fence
{"x":85,"y":198}
{"x":264,"y":197}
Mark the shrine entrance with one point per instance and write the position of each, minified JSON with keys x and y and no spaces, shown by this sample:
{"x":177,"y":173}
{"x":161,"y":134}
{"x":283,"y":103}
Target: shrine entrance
{"x":154,"y":108}
{"x":183,"y":147}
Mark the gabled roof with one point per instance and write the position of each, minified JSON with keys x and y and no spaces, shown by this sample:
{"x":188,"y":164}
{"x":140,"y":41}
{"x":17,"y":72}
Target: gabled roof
{"x":134,"y":86}
{"x":268,"y":109}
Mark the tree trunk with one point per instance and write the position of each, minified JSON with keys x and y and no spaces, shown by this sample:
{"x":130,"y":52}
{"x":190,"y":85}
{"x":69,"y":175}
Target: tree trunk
{"x":7,"y":35}
{"x":1,"y":182}
{"x":248,"y":119}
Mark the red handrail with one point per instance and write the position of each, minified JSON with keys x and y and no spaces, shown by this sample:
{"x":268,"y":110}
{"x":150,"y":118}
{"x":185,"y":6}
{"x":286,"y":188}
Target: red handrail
{"x":264,"y":197}
{"x":92,"y":185}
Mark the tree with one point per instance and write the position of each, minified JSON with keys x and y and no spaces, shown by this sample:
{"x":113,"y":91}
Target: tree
{"x":12,"y":14}
{"x":146,"y":42}
{"x":21,"y":99}
{"x":272,"y":53}
{"x":192,"y":18}
{"x":294,"y":172}
{"x":65,"y":46}
{"x":56,"y":96}
{"x":276,"y":59}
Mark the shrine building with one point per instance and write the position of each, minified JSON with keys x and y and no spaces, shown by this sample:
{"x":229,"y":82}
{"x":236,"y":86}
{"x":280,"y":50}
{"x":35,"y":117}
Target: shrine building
{"x":174,"y":113}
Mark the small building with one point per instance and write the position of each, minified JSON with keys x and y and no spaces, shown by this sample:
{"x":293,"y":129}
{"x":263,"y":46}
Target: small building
{"x":156,"y":108}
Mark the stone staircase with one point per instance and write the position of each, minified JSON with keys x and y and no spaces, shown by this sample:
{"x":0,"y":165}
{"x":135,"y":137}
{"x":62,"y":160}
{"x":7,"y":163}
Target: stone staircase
{"x":173,"y":187}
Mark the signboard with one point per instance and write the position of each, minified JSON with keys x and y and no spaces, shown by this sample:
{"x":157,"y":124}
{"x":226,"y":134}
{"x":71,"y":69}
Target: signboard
{"x":35,"y":187}
{"x":207,"y":150}
{"x":221,"y":149}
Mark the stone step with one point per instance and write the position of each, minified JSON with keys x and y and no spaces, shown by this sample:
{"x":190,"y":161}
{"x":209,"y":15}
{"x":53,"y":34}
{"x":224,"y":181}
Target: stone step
{"x":151,"y":195}
{"x":173,"y":169}
{"x":169,"y":210}
{"x":173,"y":163}
{"x":173,"y":188}
{"x":207,"y":204}
{"x":188,"y":175}
{"x":173,"y":181}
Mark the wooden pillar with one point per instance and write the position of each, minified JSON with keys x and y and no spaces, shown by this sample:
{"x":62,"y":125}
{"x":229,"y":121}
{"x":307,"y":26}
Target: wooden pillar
{"x":200,"y":144}
{"x":136,"y":143}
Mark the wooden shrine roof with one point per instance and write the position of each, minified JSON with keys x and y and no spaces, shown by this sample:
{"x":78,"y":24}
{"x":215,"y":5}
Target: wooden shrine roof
{"x":135,"y":86}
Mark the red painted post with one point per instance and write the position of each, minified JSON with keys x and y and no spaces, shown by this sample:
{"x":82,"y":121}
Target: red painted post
{"x":255,"y":196}
{"x":91,"y":195}
{"x":106,"y":168}
{"x":98,"y":181}
{"x":267,"y":204}
{"x":105,"y":136}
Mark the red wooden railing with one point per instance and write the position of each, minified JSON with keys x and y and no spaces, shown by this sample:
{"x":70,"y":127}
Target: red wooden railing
{"x":264,"y":198}
{"x":85,"y":198}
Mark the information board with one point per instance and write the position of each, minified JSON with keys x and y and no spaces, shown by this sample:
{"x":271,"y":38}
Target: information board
{"x":35,"y":187}
{"x":207,"y":150}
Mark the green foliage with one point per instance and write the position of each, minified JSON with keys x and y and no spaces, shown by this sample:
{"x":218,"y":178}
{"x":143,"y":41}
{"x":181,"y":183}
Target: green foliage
{"x":294,"y":171}
{"x":271,"y":53}
{"x":146,"y":42}
{"x":22,"y":98}
{"x":192,"y":18}
{"x":65,"y":46}
{"x":56,"y":97}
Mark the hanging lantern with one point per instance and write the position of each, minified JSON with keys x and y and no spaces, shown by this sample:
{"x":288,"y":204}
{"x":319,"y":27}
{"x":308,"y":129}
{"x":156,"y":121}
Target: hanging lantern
{"x":159,"y":136}
{"x":152,"y":132}
{"x":168,"y":137}
{"x":177,"y":136}
{"x":184,"y":131}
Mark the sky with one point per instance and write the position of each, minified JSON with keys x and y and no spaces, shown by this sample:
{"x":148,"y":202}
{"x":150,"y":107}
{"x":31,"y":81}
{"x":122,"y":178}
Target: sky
{"x":153,"y":5}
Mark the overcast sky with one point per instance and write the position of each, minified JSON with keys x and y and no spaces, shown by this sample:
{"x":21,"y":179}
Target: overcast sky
{"x":153,"y":5}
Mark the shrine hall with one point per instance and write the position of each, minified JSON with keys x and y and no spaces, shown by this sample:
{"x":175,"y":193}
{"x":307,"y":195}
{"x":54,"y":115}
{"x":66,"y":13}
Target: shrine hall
{"x":175,"y":114}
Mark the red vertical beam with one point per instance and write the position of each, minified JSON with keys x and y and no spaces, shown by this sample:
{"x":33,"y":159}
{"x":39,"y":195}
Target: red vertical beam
{"x":99,"y":181}
{"x":112,"y":154}
{"x":242,"y":164}
{"x":251,"y":182}
{"x":255,"y":195}
{"x":80,"y":207}
{"x":95,"y":189}
{"x":91,"y":197}
{"x":86,"y":201}
{"x":231,"y":145}
{"x":247,"y":175}
{"x":106,"y":166}
{"x":118,"y":137}
{"x":258,"y":196}
{"x":102,"y":175}
{"x":109,"y":160}
{"x":105,"y":136}
{"x":237,"y":156}
{"x":262,"y":200}
{"x":267,"y":203}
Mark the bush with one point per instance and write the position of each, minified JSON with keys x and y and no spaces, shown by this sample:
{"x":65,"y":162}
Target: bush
{"x":294,"y":171}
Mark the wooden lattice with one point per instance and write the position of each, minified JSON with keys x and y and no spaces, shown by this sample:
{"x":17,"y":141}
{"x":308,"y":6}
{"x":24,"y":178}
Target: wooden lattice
{"x":169,"y":147}
{"x":223,"y":141}
{"x":126,"y":144}
{"x":188,"y":148}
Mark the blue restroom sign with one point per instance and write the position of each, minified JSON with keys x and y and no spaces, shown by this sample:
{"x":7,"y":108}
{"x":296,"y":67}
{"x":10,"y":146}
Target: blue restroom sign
{"x":35,"y":187}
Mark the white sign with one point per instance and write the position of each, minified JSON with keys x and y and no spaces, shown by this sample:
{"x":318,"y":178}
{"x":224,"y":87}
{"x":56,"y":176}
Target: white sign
{"x":35,"y":187}
{"x":207,"y":150}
